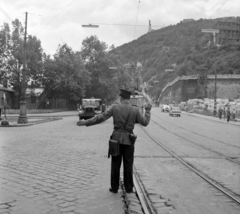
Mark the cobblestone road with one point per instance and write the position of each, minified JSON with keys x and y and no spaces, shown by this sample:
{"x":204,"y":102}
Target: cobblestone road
{"x":56,"y":167}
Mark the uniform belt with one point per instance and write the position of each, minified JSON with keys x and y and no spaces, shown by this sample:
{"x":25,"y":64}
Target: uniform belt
{"x":123,"y":130}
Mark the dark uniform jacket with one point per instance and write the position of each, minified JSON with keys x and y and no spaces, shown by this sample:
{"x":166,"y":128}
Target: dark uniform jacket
{"x":120,"y":112}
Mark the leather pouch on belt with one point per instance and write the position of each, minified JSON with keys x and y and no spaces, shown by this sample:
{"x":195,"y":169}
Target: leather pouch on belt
{"x":132,"y":138}
{"x":113,"y":149}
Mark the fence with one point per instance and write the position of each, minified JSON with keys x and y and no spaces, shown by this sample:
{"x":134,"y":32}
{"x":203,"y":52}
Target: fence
{"x":55,"y":103}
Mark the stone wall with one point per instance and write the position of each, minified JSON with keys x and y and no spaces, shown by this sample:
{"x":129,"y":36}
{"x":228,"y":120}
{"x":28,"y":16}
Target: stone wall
{"x":191,"y":87}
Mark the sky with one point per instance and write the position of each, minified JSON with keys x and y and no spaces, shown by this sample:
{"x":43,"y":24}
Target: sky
{"x":56,"y":22}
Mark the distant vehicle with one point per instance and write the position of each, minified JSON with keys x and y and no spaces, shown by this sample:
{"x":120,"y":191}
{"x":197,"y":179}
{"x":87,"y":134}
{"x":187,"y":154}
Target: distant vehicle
{"x":138,"y":100}
{"x":90,"y":108}
{"x":175,"y":111}
{"x":165,"y":108}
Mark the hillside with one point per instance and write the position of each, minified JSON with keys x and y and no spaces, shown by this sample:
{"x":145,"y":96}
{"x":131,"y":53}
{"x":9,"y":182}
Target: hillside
{"x":184,"y":49}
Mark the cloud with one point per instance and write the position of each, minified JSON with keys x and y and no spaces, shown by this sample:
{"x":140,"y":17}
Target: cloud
{"x":57,"y":21}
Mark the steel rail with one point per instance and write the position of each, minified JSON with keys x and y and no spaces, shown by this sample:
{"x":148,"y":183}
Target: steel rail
{"x":201,"y":146}
{"x":237,"y":201}
{"x":143,"y":198}
{"x":196,"y":133}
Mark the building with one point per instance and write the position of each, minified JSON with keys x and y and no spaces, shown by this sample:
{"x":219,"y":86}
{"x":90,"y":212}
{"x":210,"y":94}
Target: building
{"x":187,"y":20}
{"x":229,"y":30}
{"x":188,"y":87}
{"x":6,"y":97}
{"x":33,"y":97}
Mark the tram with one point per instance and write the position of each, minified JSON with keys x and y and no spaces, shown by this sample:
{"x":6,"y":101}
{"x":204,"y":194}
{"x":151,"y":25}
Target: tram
{"x":137,"y":99}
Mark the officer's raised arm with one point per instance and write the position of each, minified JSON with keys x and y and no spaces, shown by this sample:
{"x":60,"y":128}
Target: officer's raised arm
{"x":145,"y":119}
{"x":97,"y":119}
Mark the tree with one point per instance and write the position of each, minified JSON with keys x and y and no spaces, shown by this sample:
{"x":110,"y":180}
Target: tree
{"x":104,"y":82}
{"x":5,"y":53}
{"x":34,"y":56}
{"x":65,"y":76}
{"x":11,"y":56}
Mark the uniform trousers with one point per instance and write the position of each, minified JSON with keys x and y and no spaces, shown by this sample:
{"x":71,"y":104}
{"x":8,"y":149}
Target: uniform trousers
{"x":127,"y":155}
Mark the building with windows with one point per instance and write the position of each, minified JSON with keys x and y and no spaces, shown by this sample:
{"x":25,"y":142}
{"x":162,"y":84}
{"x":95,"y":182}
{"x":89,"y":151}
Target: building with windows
{"x":229,"y":30}
{"x":187,"y":20}
{"x":33,"y":97}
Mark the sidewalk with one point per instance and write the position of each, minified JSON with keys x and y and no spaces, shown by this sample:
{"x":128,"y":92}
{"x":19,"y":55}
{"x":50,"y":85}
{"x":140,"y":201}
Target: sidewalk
{"x":216,"y":119}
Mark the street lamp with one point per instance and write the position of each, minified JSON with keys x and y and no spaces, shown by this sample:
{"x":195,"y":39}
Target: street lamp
{"x":90,"y":26}
{"x":23,"y":104}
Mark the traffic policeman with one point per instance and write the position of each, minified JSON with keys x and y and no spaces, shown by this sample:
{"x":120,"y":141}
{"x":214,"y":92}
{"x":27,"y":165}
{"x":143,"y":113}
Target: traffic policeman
{"x":124,"y":118}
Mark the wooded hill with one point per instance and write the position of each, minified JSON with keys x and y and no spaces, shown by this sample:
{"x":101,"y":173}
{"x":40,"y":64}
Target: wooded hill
{"x":185,"y":49}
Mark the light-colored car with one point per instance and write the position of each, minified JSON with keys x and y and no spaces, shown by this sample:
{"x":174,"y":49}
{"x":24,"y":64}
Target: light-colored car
{"x":175,"y":111}
{"x":165,"y":108}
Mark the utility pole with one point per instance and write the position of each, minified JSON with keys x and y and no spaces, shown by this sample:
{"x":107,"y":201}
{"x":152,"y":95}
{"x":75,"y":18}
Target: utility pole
{"x":214,"y":32}
{"x":23,"y":104}
{"x":215,"y":92}
{"x":137,"y":82}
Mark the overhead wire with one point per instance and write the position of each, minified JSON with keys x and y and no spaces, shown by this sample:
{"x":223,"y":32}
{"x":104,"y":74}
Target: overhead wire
{"x":8,"y":17}
{"x":219,"y":8}
{"x":136,"y":19}
{"x":5,"y":14}
{"x":57,"y":15}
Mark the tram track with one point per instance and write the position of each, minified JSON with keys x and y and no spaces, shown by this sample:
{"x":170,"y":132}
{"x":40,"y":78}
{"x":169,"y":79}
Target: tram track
{"x":231,"y":159}
{"x":142,"y":194}
{"x":231,"y":195}
{"x":138,"y":201}
{"x":196,"y":133}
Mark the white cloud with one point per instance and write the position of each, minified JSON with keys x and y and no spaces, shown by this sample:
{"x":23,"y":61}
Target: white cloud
{"x":61,"y":20}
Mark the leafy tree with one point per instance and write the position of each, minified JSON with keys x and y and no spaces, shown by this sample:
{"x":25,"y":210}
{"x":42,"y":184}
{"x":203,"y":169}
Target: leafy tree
{"x":11,"y":55}
{"x":97,"y":60}
{"x":65,"y":75}
{"x":34,"y":57}
{"x":5,"y":54}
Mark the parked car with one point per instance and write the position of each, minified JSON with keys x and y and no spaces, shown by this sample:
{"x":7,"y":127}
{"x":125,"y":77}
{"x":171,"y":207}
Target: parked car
{"x":165,"y":108}
{"x":175,"y":111}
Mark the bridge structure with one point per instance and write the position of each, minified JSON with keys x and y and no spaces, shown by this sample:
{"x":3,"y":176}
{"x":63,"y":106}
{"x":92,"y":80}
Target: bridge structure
{"x":188,"y":87}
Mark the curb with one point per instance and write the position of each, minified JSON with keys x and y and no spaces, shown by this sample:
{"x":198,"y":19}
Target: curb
{"x":32,"y":123}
